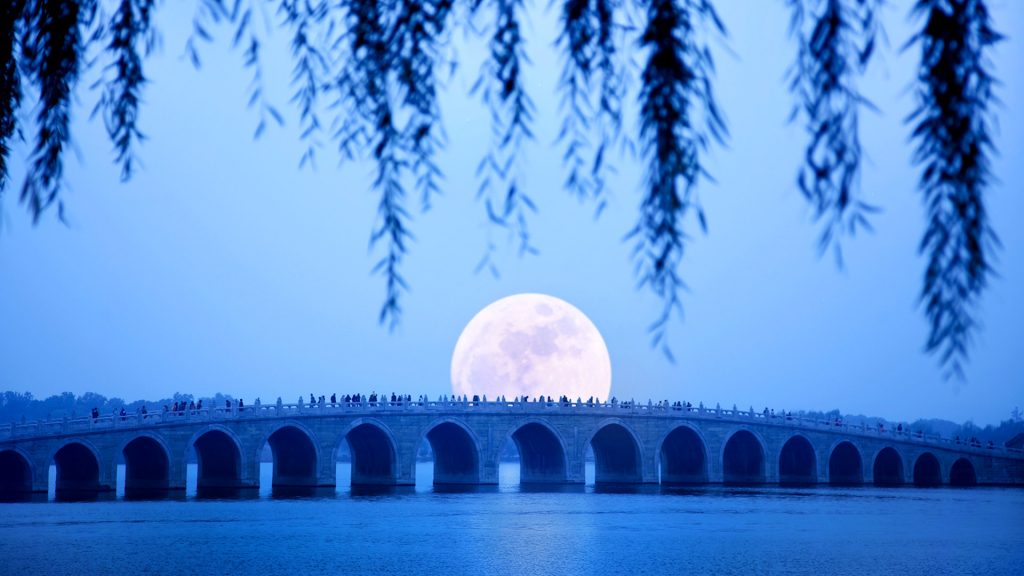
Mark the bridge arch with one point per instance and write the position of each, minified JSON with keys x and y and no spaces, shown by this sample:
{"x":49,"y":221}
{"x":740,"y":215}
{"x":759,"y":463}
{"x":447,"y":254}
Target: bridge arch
{"x":16,"y":472}
{"x":888,"y":467}
{"x":374,"y":452}
{"x":219,"y":454}
{"x":962,"y":473}
{"x":845,"y":464}
{"x":456,"y":451}
{"x":684,"y":456}
{"x":743,"y":458}
{"x":296,"y":454}
{"x":543,"y":457}
{"x":798,"y":464}
{"x":146,"y":464}
{"x":617,"y":453}
{"x":78,"y":467}
{"x":927,"y":471}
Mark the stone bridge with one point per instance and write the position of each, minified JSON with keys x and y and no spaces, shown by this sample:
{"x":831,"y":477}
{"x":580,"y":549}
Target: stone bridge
{"x":631,"y":443}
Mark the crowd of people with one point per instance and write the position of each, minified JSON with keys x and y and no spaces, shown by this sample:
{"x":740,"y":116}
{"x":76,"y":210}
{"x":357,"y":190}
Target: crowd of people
{"x":192,"y":407}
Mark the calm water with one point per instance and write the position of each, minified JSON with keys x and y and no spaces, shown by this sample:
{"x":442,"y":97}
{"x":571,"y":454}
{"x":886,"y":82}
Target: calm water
{"x":505,"y":531}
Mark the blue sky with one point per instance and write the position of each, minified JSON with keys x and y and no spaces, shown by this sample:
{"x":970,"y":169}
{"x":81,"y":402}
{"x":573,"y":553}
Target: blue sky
{"x":223,"y":267}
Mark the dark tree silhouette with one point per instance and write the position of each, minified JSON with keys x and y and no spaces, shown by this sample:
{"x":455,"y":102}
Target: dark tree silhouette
{"x":365,"y":79}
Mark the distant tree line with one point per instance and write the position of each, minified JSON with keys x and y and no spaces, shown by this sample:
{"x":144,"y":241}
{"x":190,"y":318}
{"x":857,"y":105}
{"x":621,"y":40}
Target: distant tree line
{"x":930,"y":426}
{"x":19,"y":406}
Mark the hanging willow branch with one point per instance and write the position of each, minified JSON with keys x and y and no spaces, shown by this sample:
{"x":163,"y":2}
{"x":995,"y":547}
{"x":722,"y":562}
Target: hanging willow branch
{"x":419,"y":29}
{"x":675,"y":95}
{"x":501,"y":86}
{"x":368,"y":68}
{"x":951,"y":130}
{"x":51,"y":48}
{"x":836,"y":39}
{"x":10,"y":84}
{"x":122,"y":93}
{"x":588,"y":41}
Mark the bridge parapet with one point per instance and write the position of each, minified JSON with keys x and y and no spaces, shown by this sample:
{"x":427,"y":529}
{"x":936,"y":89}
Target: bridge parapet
{"x":70,"y":426}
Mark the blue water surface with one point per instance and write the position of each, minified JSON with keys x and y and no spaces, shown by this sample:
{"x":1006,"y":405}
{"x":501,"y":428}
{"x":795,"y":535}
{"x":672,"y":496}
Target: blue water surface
{"x":508,"y":531}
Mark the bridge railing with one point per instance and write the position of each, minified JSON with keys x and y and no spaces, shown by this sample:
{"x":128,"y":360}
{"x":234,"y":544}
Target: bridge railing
{"x":65,"y":426}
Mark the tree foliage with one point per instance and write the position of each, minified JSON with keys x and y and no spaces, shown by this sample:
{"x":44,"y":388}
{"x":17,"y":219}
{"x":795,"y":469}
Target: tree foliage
{"x":365,"y":80}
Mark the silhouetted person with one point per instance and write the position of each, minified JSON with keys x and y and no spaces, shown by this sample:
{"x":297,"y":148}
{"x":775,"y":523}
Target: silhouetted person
{"x":333,"y":399}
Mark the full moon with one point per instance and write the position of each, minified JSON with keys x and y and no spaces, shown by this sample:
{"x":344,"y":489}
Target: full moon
{"x":533,"y":345}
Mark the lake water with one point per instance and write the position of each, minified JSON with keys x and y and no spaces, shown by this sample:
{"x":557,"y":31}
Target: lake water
{"x":499,"y":531}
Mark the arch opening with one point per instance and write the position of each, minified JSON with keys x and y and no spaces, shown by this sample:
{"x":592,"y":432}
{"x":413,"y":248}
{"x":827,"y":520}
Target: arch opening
{"x":845,"y":465}
{"x":78,"y":471}
{"x":294,"y":458}
{"x":219,"y":461}
{"x":541,"y":457}
{"x":146,"y":467}
{"x":927,"y":471}
{"x":962,"y":473}
{"x":797,"y":463}
{"x":373,"y":456}
{"x":888,"y":468}
{"x":15,"y":474}
{"x":456,"y":459}
{"x":616,"y":456}
{"x":743,"y":459}
{"x":683,"y":458}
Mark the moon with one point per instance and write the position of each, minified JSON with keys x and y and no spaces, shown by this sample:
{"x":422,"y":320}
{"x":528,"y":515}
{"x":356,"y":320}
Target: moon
{"x":533,"y":345}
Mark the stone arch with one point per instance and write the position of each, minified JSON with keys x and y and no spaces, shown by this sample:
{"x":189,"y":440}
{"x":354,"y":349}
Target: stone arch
{"x":146,"y":464}
{"x":543,"y":458}
{"x":845,"y":464}
{"x":456,"y":451}
{"x":617,"y":453}
{"x":927,"y":471}
{"x":684,"y":456}
{"x":219,"y":454}
{"x":888,"y":468}
{"x":374,"y":452}
{"x":798,"y":464}
{"x":16,"y":472}
{"x":743,"y":460}
{"x":962,"y":473}
{"x":296,"y":454}
{"x":78,"y":467}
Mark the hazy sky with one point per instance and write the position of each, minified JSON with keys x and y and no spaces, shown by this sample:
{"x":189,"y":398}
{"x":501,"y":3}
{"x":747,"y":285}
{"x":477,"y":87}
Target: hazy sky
{"x":223,"y":267}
